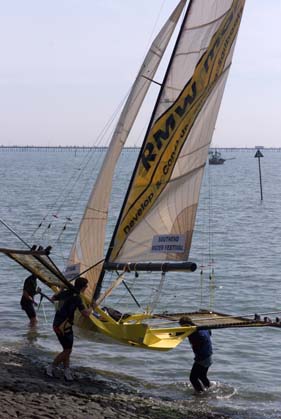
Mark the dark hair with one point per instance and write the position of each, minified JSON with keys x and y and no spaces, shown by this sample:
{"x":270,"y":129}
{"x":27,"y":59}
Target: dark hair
{"x":186,"y":321}
{"x":80,"y":283}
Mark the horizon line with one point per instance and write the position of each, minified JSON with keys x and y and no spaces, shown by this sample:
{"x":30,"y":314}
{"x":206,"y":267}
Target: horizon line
{"x":83,"y":147}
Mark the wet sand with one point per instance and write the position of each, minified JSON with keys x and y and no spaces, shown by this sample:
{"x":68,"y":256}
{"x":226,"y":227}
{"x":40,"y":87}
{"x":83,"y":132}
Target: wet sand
{"x":26,"y":392}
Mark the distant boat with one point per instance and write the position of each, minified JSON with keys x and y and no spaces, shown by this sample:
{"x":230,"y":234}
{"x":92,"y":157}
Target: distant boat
{"x":216,"y":158}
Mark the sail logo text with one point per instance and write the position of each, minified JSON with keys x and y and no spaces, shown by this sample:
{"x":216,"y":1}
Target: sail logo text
{"x":138,"y":213}
{"x":161,"y":136}
{"x":168,"y":243}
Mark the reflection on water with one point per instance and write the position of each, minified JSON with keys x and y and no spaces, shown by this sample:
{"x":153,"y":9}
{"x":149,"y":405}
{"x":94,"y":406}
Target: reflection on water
{"x":31,"y":335}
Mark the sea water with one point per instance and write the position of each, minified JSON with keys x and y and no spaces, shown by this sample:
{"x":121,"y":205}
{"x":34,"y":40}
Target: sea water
{"x":236,"y":241}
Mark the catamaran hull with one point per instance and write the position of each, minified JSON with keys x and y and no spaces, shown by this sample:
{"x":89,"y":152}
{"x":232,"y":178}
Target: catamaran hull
{"x":160,"y":332}
{"x":136,"y":330}
{"x":136,"y":334}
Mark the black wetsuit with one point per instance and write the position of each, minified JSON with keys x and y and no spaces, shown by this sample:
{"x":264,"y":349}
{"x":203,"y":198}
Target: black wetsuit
{"x":64,"y":317}
{"x":30,"y":285}
{"x":202,"y":348}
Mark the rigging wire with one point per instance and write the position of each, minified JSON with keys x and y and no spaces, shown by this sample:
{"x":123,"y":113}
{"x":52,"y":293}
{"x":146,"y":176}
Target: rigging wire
{"x":202,"y":216}
{"x":124,"y":295}
{"x":72,"y":181}
{"x":157,"y":294}
{"x":206,"y":226}
{"x":106,"y":284}
{"x":14,"y":233}
{"x":150,"y":39}
{"x":44,"y":313}
{"x":59,"y":202}
{"x":210,"y":244}
{"x":131,"y":294}
{"x":92,"y":153}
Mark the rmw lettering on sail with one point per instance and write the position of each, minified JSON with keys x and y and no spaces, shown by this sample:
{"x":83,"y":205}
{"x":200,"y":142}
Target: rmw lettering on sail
{"x":166,"y":138}
{"x":168,"y":243}
{"x":72,"y":271}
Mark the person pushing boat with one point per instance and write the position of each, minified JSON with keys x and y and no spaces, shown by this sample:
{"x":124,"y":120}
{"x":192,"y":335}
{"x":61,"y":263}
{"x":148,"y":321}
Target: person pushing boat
{"x":27,"y":300}
{"x":202,"y":347}
{"x":62,"y":324}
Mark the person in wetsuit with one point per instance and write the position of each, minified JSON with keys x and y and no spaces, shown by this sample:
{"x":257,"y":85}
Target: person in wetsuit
{"x":27,"y":300}
{"x":62,"y":324}
{"x":202,"y":347}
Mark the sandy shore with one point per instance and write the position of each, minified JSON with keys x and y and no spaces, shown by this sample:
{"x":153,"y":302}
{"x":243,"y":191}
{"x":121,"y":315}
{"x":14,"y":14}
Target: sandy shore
{"x":25,"y":392}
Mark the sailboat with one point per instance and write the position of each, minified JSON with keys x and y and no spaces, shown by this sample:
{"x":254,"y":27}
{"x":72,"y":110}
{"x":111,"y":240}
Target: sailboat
{"x":216,"y":158}
{"x":154,"y":230}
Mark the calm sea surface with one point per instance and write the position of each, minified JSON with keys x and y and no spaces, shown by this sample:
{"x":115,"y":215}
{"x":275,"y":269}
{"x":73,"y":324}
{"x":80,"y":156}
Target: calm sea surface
{"x":237,"y":235}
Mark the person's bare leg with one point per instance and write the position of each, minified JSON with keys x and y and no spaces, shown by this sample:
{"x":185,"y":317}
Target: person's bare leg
{"x":67,"y":373}
{"x":62,"y":358}
{"x":33,"y":322}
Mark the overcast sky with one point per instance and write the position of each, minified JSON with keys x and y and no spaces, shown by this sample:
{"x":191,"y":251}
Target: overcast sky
{"x":67,"y":64}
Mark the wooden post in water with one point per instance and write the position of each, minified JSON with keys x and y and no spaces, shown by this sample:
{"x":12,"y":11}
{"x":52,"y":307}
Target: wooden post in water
{"x":259,"y":155}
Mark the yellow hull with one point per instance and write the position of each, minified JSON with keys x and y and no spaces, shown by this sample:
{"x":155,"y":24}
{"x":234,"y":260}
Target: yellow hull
{"x":135,"y":330}
{"x":162,"y":332}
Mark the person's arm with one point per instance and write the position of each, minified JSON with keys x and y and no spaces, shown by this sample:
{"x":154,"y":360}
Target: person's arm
{"x":29,"y":288}
{"x":38,"y":290}
{"x":195,"y":341}
{"x":87,"y":311}
{"x":60,"y":295}
{"x":28,"y":297}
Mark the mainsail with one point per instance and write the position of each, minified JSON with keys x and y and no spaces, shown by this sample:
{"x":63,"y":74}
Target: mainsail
{"x":158,"y":215}
{"x":88,"y":248}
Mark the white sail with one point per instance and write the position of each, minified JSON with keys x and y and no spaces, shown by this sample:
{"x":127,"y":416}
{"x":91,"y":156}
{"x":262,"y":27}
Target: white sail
{"x":88,"y":248}
{"x":158,"y":215}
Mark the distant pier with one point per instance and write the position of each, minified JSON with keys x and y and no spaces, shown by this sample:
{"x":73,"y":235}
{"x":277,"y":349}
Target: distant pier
{"x":244,"y":148}
{"x":31,"y":148}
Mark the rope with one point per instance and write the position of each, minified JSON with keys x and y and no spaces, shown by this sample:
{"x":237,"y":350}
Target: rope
{"x":201,"y":286}
{"x":156,"y":298}
{"x":211,"y":247}
{"x":212,"y":289}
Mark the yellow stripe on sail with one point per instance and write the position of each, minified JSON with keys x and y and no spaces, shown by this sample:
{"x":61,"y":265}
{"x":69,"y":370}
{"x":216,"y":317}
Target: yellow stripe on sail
{"x":169,"y":133}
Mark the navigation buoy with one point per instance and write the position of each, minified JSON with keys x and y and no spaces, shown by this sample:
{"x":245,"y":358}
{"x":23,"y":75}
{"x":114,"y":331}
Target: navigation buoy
{"x":258,"y":155}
